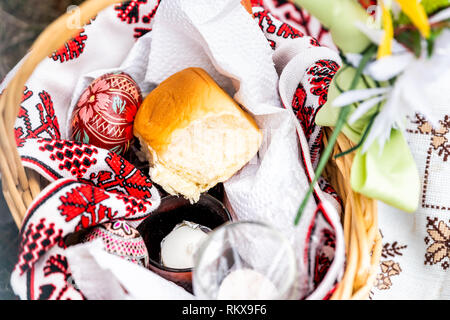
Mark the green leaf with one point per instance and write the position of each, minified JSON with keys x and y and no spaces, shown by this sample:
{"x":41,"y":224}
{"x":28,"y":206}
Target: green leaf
{"x":118,"y":105}
{"x":411,"y":39}
{"x":77,"y":136}
{"x":430,"y":6}
{"x":116,"y":149}
{"x":85,"y":138}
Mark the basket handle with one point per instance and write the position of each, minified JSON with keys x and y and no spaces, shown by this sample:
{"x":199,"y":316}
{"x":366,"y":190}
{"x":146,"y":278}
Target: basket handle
{"x":19,"y":188}
{"x":16,"y":185}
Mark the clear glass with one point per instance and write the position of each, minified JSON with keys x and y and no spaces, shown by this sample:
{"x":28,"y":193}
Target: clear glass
{"x":245,"y":261}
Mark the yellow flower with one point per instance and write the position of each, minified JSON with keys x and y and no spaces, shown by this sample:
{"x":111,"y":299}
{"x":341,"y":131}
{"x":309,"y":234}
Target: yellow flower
{"x":416,"y":12}
{"x":385,"y":48}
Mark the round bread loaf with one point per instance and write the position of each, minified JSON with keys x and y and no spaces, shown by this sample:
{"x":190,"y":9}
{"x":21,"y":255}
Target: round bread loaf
{"x":194,"y":133}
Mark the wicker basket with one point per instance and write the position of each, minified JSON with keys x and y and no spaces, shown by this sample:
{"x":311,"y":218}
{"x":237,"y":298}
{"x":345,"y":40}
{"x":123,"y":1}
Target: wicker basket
{"x":21,"y":186}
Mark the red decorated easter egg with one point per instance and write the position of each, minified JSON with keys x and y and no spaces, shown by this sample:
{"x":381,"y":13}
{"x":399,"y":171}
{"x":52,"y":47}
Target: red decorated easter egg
{"x":105,"y":113}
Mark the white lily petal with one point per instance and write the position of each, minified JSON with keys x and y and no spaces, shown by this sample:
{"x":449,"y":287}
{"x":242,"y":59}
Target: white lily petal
{"x":354,"y":59}
{"x":440,"y":16}
{"x":442,"y":47}
{"x":372,"y":136}
{"x":377,"y":133}
{"x":384,"y":122}
{"x":388,"y":67}
{"x":350,"y":97}
{"x":396,"y":9}
{"x":364,"y":107}
{"x":376,"y":36}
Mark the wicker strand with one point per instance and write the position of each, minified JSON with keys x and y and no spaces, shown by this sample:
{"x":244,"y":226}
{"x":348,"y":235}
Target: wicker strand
{"x":360,"y":221}
{"x":34,"y":181}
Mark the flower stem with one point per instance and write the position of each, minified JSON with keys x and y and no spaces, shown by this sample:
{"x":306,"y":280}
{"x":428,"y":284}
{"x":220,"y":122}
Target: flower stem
{"x":342,"y":119}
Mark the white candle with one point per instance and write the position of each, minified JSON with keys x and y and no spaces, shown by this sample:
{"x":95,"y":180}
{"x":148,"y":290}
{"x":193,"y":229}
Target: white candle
{"x":247,"y":284}
{"x":179,"y":246}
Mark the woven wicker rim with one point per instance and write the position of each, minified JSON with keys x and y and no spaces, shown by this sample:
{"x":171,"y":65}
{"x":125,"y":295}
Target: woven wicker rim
{"x":21,"y":186}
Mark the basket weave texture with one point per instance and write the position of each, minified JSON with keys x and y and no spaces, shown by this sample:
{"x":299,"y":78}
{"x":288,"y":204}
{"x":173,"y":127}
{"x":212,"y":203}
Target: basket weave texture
{"x":21,"y":186}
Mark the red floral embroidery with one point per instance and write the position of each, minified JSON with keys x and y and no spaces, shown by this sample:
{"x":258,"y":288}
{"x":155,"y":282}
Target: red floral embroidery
{"x":124,"y":178}
{"x":47,"y":127}
{"x":86,"y":201}
{"x":72,"y":49}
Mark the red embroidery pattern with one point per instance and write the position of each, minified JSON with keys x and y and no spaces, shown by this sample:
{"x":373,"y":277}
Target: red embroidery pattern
{"x":284,"y":30}
{"x":148,"y":18}
{"x":305,"y":114}
{"x":320,"y":77}
{"x":72,"y":49}
{"x":48,"y":126}
{"x":288,"y":12}
{"x":323,"y":257}
{"x":95,"y":167}
{"x":327,"y":188}
{"x":58,"y":265}
{"x":130,"y":12}
{"x":316,"y":146}
{"x":86,"y":201}
{"x":124,"y":178}
{"x":134,"y":205}
{"x":320,"y":248}
{"x":322,"y":74}
{"x":36,"y":240}
{"x":73,"y":156}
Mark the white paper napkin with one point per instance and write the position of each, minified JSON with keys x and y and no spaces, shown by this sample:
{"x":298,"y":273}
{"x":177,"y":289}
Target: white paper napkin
{"x":103,"y":276}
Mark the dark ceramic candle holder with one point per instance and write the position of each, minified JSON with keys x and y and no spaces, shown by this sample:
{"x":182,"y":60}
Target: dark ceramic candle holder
{"x":173,"y":210}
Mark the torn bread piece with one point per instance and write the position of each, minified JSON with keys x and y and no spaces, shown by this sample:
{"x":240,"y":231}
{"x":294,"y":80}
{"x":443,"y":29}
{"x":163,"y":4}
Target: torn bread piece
{"x":194,"y":134}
